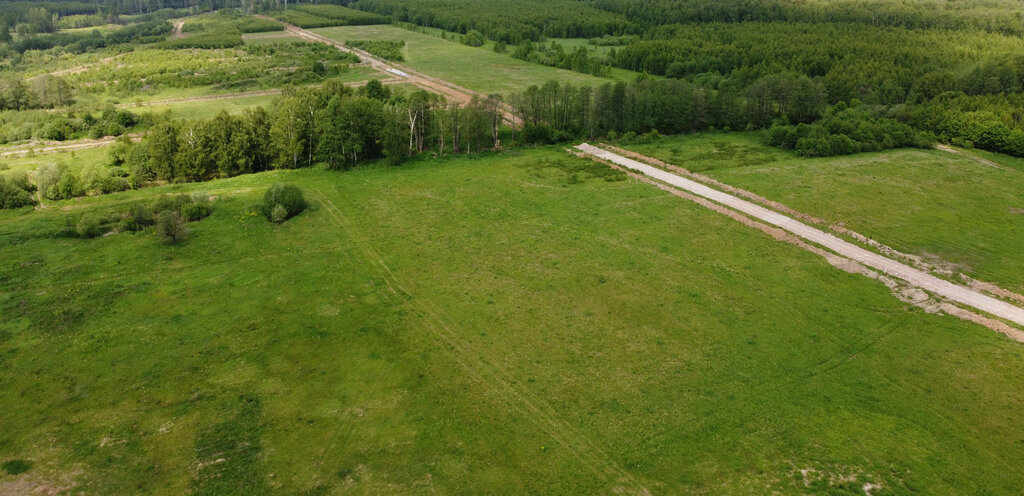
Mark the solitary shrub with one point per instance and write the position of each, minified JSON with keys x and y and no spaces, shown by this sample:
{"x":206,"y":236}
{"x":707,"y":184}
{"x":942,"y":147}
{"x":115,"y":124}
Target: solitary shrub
{"x":142,"y":214}
{"x":89,"y":226}
{"x":47,"y":176}
{"x":287,"y":196}
{"x":15,"y":467}
{"x":278,"y":214}
{"x":169,"y":227}
{"x":473,"y":38}
{"x":171,"y":202}
{"x":196,"y":211}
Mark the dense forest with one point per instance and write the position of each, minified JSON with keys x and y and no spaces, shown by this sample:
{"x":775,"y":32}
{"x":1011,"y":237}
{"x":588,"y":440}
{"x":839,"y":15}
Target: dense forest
{"x":829,"y":77}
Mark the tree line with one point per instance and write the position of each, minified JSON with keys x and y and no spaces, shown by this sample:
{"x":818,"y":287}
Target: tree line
{"x":998,"y":16}
{"x":874,"y":65}
{"x":503,"y":21}
{"x":334,"y":125}
{"x":666,"y":105}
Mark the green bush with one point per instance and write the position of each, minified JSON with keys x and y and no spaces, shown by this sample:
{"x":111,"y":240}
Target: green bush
{"x":287,"y":196}
{"x":279,"y":214}
{"x":89,"y":226}
{"x":473,"y":39}
{"x":11,"y":196}
{"x":172,"y":203}
{"x":20,"y":180}
{"x":170,"y":227}
{"x":196,"y":211}
{"x":67,"y":187}
{"x":15,"y":467}
{"x":139,"y":216}
{"x":385,"y":49}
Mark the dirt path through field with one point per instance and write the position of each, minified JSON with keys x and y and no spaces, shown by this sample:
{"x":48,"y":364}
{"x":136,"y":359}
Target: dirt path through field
{"x":177,"y":29}
{"x":67,"y":146}
{"x":914,"y":277}
{"x":86,"y":67}
{"x":950,"y":149}
{"x":451,"y":91}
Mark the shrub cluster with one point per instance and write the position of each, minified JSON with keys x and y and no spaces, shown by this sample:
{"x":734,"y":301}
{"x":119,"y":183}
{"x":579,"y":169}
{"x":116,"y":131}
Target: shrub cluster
{"x":846,"y":131}
{"x":64,"y":126}
{"x":16,"y":191}
{"x":315,"y":16}
{"x":385,"y":49}
{"x":282,"y":202}
{"x":205,"y":40}
{"x":168,"y":213}
{"x":56,"y":182}
{"x":347,"y":16}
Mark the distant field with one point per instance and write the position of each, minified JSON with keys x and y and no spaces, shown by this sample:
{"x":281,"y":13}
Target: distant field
{"x":479,"y":69}
{"x":351,"y":75}
{"x":205,"y":109}
{"x":923,"y":202}
{"x":509,"y":324}
{"x":74,"y":160}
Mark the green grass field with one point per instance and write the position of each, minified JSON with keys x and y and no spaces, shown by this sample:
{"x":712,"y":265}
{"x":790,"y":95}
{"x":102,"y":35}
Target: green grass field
{"x":74,"y":160}
{"x":505,"y":324}
{"x":924,"y":202}
{"x":479,"y":69}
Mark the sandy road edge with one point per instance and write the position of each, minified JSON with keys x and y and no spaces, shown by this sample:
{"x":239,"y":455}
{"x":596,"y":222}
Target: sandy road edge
{"x":933,"y":266}
{"x":913,"y":278}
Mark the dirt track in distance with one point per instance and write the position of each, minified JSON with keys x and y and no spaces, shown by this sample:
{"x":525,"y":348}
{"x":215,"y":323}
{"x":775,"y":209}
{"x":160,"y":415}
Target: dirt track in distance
{"x":451,"y":91}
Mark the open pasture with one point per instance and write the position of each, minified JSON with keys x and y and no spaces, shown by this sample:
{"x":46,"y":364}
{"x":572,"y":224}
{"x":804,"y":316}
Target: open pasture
{"x":515,"y":323}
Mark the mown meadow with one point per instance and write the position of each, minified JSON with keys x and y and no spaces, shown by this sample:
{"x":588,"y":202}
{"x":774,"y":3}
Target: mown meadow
{"x":477,"y":68}
{"x":523,"y":322}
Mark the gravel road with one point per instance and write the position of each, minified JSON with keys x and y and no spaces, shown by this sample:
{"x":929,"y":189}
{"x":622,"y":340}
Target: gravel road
{"x":928,"y":282}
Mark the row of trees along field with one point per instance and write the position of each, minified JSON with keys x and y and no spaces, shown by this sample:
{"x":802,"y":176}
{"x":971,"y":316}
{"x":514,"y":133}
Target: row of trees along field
{"x":999,"y":16}
{"x":554,"y":112}
{"x":533,"y":19}
{"x":503,"y":21}
{"x":332,"y":124}
{"x":876,"y":65}
{"x":792,"y":108}
{"x":667,"y":105}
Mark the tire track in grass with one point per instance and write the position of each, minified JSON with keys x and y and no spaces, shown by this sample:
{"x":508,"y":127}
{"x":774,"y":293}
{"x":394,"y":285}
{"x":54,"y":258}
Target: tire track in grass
{"x":489,"y":371}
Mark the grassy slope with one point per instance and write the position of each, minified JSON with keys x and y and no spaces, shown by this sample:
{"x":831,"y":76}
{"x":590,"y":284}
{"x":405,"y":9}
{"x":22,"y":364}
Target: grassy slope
{"x":554,"y":328}
{"x":924,"y":202}
{"x":479,"y":69}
